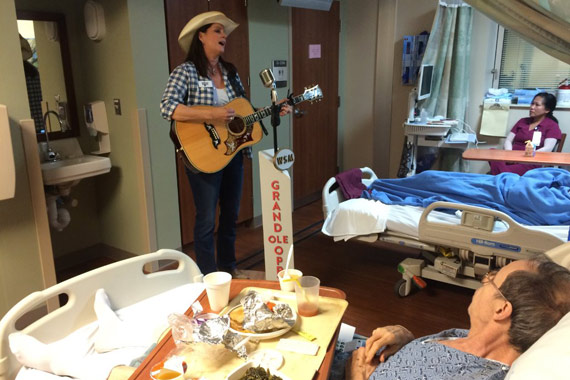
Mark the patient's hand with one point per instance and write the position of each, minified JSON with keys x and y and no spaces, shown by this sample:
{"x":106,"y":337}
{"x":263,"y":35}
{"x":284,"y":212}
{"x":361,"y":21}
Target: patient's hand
{"x":357,"y":369}
{"x":393,"y":337}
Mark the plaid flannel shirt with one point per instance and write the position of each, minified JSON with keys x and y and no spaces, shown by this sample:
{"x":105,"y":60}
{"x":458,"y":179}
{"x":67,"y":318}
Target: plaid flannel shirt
{"x":183,"y":84}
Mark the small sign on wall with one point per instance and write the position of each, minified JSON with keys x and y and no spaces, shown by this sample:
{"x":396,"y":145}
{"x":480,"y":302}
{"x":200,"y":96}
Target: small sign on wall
{"x":314,"y":51}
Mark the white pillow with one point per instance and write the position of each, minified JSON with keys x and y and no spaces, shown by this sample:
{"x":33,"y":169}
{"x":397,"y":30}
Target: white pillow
{"x":547,"y":358}
{"x":357,"y":216}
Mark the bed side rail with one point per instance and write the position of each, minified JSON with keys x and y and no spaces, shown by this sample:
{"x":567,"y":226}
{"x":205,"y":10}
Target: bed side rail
{"x":475,"y":233}
{"x":126,"y":282}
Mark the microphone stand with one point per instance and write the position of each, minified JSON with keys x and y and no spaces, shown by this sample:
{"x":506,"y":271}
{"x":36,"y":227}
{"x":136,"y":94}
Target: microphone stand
{"x":275,"y":118}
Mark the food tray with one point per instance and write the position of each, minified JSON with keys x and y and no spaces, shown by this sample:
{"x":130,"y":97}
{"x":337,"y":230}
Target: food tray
{"x":435,"y":130}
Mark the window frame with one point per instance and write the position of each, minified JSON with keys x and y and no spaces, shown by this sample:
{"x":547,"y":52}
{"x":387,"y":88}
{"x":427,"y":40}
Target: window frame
{"x":496,"y":71}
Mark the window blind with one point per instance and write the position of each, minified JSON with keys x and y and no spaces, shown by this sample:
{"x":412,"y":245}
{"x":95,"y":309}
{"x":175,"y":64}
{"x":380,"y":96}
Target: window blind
{"x":525,"y":66}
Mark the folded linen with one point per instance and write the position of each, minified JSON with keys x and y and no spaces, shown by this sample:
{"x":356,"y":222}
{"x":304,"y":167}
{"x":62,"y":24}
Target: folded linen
{"x":113,"y":333}
{"x":71,"y":356}
{"x":350,"y":183}
{"x":75,"y":355}
{"x":356,"y":217}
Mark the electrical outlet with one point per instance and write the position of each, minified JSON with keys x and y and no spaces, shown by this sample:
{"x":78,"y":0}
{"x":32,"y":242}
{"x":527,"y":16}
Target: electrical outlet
{"x":117,"y":105}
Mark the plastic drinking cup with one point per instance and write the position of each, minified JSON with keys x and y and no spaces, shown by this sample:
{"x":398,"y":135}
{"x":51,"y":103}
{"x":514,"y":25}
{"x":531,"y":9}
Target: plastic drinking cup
{"x":289,"y":286}
{"x":307,"y":295}
{"x":218,"y":289}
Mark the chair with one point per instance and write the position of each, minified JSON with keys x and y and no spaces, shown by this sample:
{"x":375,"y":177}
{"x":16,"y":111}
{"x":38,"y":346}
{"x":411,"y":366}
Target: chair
{"x":126,"y":282}
{"x":560,"y":144}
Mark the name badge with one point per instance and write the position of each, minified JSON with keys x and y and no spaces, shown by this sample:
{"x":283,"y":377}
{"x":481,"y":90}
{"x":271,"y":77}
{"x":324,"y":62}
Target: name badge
{"x":536,"y":136}
{"x":205,"y":84}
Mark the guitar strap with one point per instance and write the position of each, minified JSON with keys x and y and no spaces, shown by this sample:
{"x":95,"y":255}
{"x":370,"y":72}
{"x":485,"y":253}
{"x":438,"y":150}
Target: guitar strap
{"x":177,"y":146}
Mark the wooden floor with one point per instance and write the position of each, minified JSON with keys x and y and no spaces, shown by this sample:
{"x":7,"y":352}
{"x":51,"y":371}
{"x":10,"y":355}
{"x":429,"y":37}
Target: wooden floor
{"x":366,"y":272}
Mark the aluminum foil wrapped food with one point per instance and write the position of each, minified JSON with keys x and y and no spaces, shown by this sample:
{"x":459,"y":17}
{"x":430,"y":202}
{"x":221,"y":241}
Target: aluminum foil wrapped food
{"x":207,"y":328}
{"x":259,"y":317}
{"x":214,"y":329}
{"x":210,"y":329}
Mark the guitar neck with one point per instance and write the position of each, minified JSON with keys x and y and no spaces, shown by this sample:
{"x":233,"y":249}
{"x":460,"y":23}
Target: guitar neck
{"x":265,"y":112}
{"x":256,"y":116}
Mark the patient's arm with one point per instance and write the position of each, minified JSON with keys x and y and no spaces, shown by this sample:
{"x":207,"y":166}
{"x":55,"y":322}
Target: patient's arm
{"x":508,"y":145}
{"x":392,"y":337}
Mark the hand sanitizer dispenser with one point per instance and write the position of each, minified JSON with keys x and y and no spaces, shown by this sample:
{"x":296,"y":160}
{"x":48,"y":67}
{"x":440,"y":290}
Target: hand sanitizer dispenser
{"x":95,"y":115}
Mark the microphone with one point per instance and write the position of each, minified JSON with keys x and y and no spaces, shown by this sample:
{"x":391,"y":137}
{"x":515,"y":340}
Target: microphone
{"x":267,"y":77}
{"x":268,"y":81}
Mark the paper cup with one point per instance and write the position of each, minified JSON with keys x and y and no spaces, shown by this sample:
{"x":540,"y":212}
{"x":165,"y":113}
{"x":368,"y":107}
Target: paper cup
{"x":218,"y":289}
{"x":289,"y":286}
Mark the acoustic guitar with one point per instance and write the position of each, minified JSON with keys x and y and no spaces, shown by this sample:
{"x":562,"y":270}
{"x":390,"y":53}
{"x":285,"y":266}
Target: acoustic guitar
{"x":208,"y":148}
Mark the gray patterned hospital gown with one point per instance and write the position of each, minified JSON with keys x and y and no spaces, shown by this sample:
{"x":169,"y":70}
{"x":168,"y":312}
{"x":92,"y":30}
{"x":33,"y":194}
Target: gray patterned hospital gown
{"x":424,"y":358}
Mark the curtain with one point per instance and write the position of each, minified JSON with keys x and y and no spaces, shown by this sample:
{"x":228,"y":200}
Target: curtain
{"x":544,"y":23}
{"x":448,"y":50}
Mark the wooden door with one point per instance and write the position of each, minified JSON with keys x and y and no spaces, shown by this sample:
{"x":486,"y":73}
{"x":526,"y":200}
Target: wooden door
{"x":315,"y":61}
{"x":178,"y":13}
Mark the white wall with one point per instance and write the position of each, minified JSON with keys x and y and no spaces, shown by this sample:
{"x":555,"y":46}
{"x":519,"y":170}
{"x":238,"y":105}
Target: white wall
{"x":373,"y":100}
{"x":20,"y":269}
{"x":269,"y":34}
{"x":483,"y":41}
{"x":412,"y":17}
{"x":148,"y":34}
{"x":356,"y":85}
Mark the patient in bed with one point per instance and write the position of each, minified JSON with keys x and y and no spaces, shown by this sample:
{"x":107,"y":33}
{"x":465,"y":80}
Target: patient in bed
{"x":511,"y":310}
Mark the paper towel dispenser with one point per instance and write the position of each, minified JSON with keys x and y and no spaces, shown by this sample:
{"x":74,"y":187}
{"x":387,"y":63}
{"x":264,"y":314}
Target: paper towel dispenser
{"x":95,"y":115}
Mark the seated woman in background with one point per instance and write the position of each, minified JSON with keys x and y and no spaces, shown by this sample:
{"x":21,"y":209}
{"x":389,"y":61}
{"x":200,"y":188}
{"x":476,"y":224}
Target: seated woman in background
{"x":540,"y":127}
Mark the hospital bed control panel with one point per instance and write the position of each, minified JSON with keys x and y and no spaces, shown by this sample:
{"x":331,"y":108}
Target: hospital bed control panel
{"x":482,"y":222}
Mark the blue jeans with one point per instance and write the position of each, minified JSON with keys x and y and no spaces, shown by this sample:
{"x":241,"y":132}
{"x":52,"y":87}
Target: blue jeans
{"x":224,"y":186}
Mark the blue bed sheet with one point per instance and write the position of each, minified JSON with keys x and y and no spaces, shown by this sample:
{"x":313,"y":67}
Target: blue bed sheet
{"x":539,"y":197}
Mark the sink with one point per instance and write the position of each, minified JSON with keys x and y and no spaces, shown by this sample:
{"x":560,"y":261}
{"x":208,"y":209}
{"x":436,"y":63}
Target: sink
{"x":72,"y":169}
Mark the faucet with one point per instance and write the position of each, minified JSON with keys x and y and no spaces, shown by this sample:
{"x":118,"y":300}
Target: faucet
{"x":51,"y":154}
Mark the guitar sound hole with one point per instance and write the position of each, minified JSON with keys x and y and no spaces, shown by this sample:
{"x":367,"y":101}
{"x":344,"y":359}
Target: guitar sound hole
{"x":236,"y":126}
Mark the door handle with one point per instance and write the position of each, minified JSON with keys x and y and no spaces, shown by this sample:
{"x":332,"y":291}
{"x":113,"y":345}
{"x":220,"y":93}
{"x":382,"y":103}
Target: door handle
{"x":298,"y":113}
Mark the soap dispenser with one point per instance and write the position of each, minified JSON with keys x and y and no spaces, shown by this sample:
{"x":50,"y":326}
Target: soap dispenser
{"x":96,"y":121}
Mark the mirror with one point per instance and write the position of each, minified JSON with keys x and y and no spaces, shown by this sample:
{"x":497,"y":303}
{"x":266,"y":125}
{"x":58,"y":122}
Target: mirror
{"x":47,"y":66}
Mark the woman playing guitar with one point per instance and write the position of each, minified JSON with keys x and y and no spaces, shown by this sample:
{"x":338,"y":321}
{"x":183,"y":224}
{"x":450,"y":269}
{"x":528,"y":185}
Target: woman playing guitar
{"x":206,"y":79}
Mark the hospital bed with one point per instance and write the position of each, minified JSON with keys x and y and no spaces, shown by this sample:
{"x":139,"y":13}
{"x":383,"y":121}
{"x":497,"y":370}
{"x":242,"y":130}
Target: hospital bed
{"x":457,"y":248}
{"x":141,"y":290}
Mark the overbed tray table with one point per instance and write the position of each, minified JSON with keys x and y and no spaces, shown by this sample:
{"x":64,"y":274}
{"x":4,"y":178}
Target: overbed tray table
{"x":167,"y":343}
{"x":545,"y":158}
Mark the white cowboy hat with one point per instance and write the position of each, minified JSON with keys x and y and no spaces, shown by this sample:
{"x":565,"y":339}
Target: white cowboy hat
{"x":187,"y":33}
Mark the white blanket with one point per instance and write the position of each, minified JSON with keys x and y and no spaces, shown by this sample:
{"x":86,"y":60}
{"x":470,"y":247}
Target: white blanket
{"x":356,"y":217}
{"x":360,"y":217}
{"x":116,"y":338}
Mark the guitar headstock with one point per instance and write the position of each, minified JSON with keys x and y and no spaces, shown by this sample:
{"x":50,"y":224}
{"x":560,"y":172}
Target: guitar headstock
{"x":313,"y":94}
